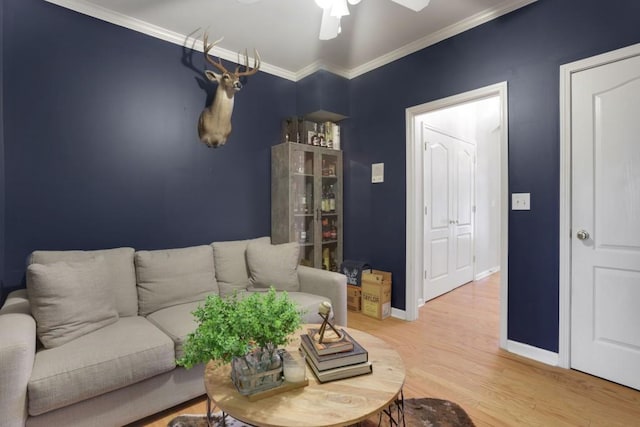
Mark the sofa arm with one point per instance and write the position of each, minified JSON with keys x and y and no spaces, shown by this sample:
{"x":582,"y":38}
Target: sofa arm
{"x":327,"y":284}
{"x":17,"y":302}
{"x":17,"y":353}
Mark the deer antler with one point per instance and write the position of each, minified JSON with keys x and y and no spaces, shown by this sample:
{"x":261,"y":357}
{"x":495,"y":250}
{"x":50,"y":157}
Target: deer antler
{"x":207,"y":47}
{"x":249,"y":71}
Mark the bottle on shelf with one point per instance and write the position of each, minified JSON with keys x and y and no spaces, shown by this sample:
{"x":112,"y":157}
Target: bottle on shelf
{"x":303,"y":233}
{"x":333,"y":232}
{"x":332,"y":199}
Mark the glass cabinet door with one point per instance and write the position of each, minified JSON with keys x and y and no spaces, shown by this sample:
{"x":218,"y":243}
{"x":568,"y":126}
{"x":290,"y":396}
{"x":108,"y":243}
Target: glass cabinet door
{"x":302,"y":197}
{"x":330,"y":225}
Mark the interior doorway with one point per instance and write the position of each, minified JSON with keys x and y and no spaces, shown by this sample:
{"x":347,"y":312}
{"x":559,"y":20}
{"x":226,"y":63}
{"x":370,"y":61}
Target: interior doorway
{"x":468,"y":117}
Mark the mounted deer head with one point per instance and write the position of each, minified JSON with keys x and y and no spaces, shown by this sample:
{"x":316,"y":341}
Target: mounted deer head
{"x":214,"y":125}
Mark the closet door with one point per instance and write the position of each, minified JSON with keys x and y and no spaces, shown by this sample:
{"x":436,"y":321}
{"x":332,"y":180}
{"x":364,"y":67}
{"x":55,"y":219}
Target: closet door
{"x":449,"y":186}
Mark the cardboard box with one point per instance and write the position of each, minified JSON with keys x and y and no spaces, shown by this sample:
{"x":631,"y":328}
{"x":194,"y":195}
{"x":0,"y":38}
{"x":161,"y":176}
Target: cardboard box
{"x":376,"y":294}
{"x":354,"y":298}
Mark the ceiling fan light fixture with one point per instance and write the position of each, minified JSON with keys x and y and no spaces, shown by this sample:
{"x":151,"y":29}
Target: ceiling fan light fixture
{"x":353,"y":2}
{"x":324,"y":4}
{"x":339,"y":8}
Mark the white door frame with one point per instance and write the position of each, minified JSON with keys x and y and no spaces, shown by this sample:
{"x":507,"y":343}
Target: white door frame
{"x":564,"y":333}
{"x":415,"y":191}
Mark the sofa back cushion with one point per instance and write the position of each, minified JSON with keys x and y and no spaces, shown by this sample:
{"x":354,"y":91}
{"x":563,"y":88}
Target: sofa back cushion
{"x":274,"y":265}
{"x":121,"y":276}
{"x":174,"y":276}
{"x":70,"y":299}
{"x":230,"y":260}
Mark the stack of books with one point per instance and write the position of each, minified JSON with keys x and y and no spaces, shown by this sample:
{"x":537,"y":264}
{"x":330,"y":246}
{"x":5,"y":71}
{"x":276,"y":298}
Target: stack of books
{"x":335,"y":360}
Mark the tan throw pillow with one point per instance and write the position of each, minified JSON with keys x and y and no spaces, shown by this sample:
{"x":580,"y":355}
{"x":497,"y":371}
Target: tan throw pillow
{"x":274,"y":265}
{"x":70,"y":299}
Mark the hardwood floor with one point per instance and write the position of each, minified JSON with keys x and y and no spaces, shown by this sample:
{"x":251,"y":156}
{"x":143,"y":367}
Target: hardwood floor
{"x":452,"y":353}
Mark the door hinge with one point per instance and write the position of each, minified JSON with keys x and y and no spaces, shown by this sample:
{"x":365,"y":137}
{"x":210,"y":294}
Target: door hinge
{"x":474,"y":258}
{"x":425,"y":274}
{"x":473,"y":209}
{"x":425,"y":210}
{"x":425,"y":146}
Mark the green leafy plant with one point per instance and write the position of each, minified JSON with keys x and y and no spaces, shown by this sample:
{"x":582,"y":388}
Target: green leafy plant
{"x":234,"y":326}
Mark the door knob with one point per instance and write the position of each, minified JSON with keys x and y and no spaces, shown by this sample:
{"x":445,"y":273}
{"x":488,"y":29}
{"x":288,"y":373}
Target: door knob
{"x":582,"y":235}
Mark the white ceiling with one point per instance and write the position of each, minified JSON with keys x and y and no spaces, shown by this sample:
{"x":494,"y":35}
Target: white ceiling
{"x":285,"y":32}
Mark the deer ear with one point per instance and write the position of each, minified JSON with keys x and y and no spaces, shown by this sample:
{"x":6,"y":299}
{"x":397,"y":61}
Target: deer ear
{"x":214,"y":77}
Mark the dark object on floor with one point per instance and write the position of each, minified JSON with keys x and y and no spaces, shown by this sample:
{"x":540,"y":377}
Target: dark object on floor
{"x":422,"y":412}
{"x":201,"y":421}
{"x":426,"y":412}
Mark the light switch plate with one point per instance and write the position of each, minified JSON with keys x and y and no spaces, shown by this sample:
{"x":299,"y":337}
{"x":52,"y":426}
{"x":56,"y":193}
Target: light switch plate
{"x":377,"y":173}
{"x":520,"y":201}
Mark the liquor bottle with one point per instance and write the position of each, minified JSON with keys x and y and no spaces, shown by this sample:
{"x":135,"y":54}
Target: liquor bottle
{"x":309,"y":197}
{"x":303,"y":233}
{"x":321,"y":136}
{"x":333,"y":233}
{"x":332,"y":199}
{"x":325,"y":199}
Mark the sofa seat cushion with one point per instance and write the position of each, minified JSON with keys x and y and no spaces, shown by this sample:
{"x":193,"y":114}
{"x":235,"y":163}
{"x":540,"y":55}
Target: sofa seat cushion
{"x":174,"y":276}
{"x":177,"y":322}
{"x":118,"y":355}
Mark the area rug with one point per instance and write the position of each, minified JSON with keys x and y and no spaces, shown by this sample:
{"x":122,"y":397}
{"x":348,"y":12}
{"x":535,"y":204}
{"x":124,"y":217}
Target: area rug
{"x":423,"y":412}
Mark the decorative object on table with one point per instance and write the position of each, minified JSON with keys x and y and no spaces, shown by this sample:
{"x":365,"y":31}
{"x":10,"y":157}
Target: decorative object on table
{"x":329,"y":361}
{"x":337,"y":359}
{"x":324,"y":310}
{"x":214,"y":124}
{"x":246,"y":332}
{"x":333,"y":343}
{"x":294,"y":366}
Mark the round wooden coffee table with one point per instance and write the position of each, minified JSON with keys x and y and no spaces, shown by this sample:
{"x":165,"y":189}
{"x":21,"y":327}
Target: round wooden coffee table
{"x":338,"y":403}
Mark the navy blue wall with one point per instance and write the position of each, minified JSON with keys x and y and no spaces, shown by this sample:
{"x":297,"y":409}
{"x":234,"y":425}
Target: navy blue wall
{"x":526,"y":49}
{"x":101,"y":145}
{"x":1,"y":156}
{"x":323,"y":90}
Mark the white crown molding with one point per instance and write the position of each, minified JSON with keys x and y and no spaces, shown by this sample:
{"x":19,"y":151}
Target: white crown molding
{"x":450,"y":31}
{"x":144,"y":27}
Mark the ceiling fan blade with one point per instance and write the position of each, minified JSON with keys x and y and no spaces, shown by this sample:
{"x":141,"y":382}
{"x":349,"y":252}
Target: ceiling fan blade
{"x":416,"y":5}
{"x":330,"y":25}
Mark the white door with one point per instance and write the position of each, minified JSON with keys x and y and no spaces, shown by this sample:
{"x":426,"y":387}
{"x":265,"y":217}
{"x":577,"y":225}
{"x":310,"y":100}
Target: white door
{"x":449,"y":171}
{"x":605,"y":221}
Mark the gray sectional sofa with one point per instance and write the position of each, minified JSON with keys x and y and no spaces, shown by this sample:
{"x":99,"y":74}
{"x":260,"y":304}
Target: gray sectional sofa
{"x":93,"y":339}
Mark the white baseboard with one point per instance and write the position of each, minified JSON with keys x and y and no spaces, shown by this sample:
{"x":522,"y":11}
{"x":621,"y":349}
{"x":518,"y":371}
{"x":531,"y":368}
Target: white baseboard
{"x":398,"y":314}
{"x":487,"y":273}
{"x":535,"y":353}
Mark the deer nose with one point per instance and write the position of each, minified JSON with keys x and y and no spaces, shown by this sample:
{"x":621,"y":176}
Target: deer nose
{"x":237,"y":85}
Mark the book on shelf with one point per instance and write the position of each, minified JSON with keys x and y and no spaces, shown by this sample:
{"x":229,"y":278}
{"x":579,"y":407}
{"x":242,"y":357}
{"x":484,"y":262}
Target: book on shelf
{"x":345,"y":344}
{"x":341,"y":372}
{"x":328,"y":361}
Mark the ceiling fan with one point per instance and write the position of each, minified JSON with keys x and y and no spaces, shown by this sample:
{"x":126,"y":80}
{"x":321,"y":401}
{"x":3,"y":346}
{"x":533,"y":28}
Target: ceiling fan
{"x":333,"y":10}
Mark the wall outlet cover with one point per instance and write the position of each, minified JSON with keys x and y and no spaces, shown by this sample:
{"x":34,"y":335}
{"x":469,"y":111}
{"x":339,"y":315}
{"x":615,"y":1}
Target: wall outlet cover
{"x":377,"y":173}
{"x":520,"y":201}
